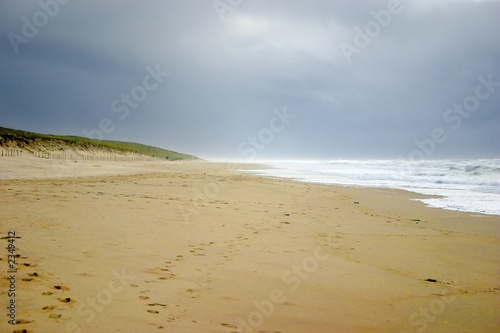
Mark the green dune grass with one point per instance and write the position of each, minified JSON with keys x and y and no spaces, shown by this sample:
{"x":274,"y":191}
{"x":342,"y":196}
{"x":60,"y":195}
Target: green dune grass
{"x":34,"y":141}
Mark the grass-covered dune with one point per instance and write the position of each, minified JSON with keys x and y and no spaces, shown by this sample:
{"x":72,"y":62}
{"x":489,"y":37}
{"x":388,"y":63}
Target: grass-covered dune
{"x":45,"y":142}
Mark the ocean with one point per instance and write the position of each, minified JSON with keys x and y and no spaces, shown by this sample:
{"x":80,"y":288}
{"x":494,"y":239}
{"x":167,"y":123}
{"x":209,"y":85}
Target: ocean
{"x":463,"y":185}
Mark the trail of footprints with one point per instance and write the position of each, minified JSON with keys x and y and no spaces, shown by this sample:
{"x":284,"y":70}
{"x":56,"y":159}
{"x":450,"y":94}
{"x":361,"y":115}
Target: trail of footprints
{"x":224,"y":252}
{"x":57,"y":294}
{"x":163,"y":273}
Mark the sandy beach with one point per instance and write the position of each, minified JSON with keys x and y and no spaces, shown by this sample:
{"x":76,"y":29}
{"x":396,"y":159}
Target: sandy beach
{"x":201,"y":247}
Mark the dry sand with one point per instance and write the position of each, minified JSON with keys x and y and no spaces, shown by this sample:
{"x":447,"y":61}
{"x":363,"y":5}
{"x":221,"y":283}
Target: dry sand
{"x":199,"y":247}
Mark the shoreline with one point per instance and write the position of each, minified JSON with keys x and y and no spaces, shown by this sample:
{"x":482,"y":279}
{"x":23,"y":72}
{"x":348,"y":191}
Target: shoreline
{"x":253,"y":254}
{"x":457,"y":191}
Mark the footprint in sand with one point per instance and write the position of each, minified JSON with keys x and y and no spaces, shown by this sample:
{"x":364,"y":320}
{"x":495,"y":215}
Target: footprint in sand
{"x":166,"y":277}
{"x":64,"y":300}
{"x":144,"y":297}
{"x":158,"y":304}
{"x":60,"y":287}
{"x":195,"y":293}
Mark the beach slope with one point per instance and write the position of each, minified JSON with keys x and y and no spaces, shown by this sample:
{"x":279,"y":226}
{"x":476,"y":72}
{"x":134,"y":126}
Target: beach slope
{"x":199,"y":247}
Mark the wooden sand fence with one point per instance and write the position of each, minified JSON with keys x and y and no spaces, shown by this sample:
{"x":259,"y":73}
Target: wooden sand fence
{"x":84,"y":157}
{"x":6,"y":152}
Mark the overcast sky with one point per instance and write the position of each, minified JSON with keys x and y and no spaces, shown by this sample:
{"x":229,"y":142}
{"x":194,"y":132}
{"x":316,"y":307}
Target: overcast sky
{"x":251,"y":79}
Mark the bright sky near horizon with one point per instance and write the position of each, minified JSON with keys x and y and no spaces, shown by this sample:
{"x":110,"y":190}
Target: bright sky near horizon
{"x":254,"y":79}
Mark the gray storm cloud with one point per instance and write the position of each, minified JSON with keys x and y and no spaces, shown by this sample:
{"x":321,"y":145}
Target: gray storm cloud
{"x":364,"y":79}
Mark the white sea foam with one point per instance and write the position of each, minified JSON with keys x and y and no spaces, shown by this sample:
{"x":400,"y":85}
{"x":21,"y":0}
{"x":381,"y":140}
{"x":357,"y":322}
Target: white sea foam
{"x":465,"y":185}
